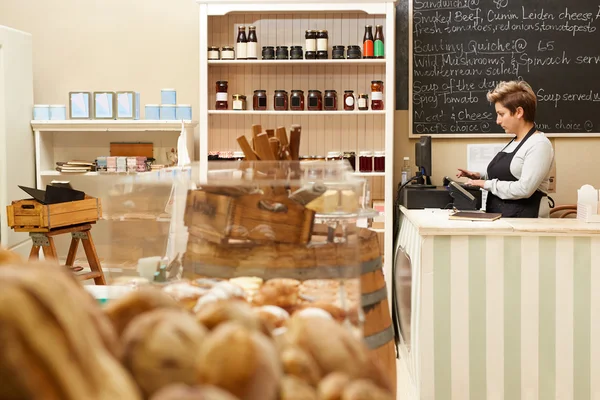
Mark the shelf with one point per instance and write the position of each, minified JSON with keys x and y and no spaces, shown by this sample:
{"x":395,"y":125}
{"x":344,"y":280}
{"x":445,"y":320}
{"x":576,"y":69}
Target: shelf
{"x":91,"y":173}
{"x":368,"y":174}
{"x":380,"y":62}
{"x":298,"y":113}
{"x":110,"y":125}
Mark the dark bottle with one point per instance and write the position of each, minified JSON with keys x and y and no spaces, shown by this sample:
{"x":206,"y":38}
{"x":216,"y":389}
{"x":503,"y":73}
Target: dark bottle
{"x":252,"y":46}
{"x":242,"y":44}
{"x":368,"y":42}
{"x":378,"y":47}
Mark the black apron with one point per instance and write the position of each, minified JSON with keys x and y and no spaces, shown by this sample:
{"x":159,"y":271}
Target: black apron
{"x":499,"y":168}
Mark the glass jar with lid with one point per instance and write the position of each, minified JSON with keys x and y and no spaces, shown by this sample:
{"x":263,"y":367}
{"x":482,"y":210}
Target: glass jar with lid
{"x":363,"y":101}
{"x":227,"y":53}
{"x":310,"y":55}
{"x":296,"y":53}
{"x":259,"y":100}
{"x":297,"y":100}
{"x":213,"y":53}
{"x":322,"y":55}
{"x":337,"y":53}
{"x":315,"y":100}
{"x":322,"y":40}
{"x":379,"y":161}
{"x":365,"y":161}
{"x":311,"y":40}
{"x":239,"y":102}
{"x":282,"y":53}
{"x":221,"y":101}
{"x":280,"y":100}
{"x":376,"y":95}
{"x":349,"y":100}
{"x":354,"y":52}
{"x":268,"y":53}
{"x":330,"y":100}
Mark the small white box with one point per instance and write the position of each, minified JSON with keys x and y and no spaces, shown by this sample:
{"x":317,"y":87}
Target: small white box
{"x":80,"y":105}
{"x":128,"y":105}
{"x":167,"y":111}
{"x":58,"y":112}
{"x":168,"y":96}
{"x":183,"y":111}
{"x":41,"y":112}
{"x":104,"y":105}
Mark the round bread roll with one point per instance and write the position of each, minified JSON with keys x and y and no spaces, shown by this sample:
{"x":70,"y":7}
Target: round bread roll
{"x":298,"y":363}
{"x":185,"y":293}
{"x":184,"y":392}
{"x":332,"y":386}
{"x":223,"y":290}
{"x":293,"y":388}
{"x":125,"y":309}
{"x":281,"y":292}
{"x":241,"y":361}
{"x":163,"y":347}
{"x":274,"y":316}
{"x":212,"y":315}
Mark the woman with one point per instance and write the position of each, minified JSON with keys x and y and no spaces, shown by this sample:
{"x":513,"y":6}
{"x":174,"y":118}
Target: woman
{"x":517,"y":177}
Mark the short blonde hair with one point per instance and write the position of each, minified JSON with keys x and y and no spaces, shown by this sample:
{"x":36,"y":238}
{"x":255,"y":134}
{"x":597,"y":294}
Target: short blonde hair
{"x":515,"y":94}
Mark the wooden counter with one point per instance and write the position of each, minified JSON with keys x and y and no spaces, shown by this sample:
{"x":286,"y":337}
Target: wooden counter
{"x":508,"y":309}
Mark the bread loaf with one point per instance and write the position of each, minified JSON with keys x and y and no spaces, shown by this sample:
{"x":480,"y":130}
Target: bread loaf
{"x":212,"y":315}
{"x":162,"y":347}
{"x":298,"y":363}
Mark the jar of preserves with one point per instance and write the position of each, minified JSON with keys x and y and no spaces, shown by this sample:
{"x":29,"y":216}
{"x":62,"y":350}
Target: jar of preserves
{"x":315,"y":100}
{"x":376,"y":95}
{"x":322,"y":39}
{"x":268,"y":53}
{"x":213,"y":53}
{"x":379,"y":161}
{"x":259,"y":100}
{"x":322,"y":55}
{"x":354,"y":53}
{"x":363,"y":102}
{"x":349,"y":100}
{"x":280,"y":100}
{"x":351,"y":157}
{"x":330,"y":100}
{"x":311,"y":40}
{"x":338,"y":52}
{"x":239,"y":102}
{"x":281,"y":53}
{"x":365,"y":161}
{"x":227,"y":53}
{"x":310,"y":55}
{"x":297,"y":100}
{"x":296,"y":53}
{"x":221,"y":103}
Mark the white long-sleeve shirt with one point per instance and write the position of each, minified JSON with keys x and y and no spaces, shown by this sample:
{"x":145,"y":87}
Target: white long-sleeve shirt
{"x":531,"y":166}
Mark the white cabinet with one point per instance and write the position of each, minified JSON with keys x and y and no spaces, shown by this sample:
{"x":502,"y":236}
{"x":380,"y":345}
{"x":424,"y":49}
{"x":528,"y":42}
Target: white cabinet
{"x":283,"y":23}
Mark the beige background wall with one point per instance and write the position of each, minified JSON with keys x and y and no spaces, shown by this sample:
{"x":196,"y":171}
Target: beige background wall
{"x":146,"y":45}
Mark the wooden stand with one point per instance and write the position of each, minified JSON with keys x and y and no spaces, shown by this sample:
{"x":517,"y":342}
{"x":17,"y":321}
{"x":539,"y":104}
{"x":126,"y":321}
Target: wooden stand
{"x":45,"y":240}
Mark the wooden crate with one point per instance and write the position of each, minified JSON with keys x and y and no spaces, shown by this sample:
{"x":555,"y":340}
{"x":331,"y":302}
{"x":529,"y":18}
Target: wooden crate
{"x":220,"y":217}
{"x":31,"y":216}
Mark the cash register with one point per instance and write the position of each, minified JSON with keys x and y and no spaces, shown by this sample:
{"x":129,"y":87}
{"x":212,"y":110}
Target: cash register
{"x":423,"y":194}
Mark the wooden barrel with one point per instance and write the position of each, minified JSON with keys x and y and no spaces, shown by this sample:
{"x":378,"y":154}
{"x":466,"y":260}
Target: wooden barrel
{"x":378,"y":328}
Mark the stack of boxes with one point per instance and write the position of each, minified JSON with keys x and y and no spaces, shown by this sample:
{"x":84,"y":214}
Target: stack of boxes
{"x":168,"y":109}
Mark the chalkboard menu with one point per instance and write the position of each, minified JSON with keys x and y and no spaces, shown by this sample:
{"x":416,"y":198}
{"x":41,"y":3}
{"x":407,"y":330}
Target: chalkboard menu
{"x":462,"y":48}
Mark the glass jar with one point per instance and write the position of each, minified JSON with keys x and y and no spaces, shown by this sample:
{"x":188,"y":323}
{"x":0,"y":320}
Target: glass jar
{"x":268,"y":53}
{"x":311,"y":40}
{"x":354,"y":53}
{"x":239,"y":102}
{"x":363,"y":102}
{"x":365,"y":161}
{"x":221,"y":103}
{"x":338,"y":52}
{"x":310,"y":55}
{"x":281,"y":53}
{"x":376,"y":95}
{"x":297,"y":100}
{"x":351,"y":157}
{"x":296,"y":53}
{"x":379,"y":161}
{"x":322,"y":55}
{"x":322,"y":38}
{"x":280,"y":100}
{"x":227,"y":53}
{"x":315,"y":100}
{"x":213,"y":53}
{"x":330,"y":100}
{"x":259,"y":100}
{"x":349,"y":100}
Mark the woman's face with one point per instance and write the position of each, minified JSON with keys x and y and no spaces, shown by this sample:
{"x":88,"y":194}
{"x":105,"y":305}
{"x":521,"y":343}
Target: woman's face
{"x":509,"y":122}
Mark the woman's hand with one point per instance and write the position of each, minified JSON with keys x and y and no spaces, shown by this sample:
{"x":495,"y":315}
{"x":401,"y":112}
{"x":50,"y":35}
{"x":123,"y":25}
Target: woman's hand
{"x":468,"y":174}
{"x":476,"y":182}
